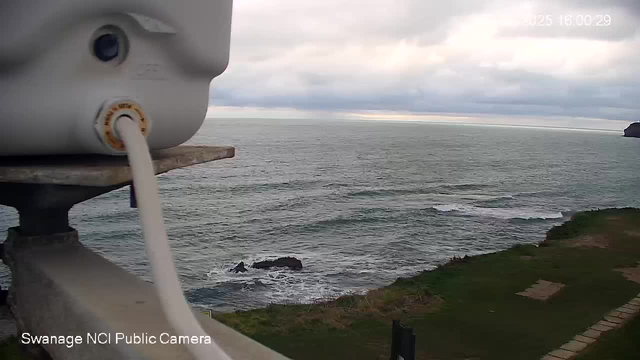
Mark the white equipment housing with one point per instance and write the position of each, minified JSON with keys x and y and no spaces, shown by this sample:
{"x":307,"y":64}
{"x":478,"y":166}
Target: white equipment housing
{"x":68,"y":68}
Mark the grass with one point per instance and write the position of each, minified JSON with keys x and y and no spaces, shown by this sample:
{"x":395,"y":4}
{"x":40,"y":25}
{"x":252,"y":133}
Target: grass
{"x":10,"y":350}
{"x":468,"y":308}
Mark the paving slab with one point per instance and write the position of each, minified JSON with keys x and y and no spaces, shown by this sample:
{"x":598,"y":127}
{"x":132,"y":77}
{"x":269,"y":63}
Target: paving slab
{"x":584,"y":339}
{"x":599,"y":327}
{"x":607,"y":323}
{"x":625,"y":316}
{"x":591,"y":333}
{"x":626,"y":310}
{"x":541,"y":290}
{"x":562,"y":354}
{"x":615,"y":320}
{"x":574,"y":346}
{"x":550,"y":357}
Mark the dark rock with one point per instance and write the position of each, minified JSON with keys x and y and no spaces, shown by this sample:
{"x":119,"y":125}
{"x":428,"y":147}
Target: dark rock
{"x":633,"y":130}
{"x":239,"y":268}
{"x":290,"y":262}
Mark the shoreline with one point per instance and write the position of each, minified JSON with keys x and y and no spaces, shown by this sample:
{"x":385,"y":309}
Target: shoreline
{"x":475,"y":307}
{"x":462,"y":307}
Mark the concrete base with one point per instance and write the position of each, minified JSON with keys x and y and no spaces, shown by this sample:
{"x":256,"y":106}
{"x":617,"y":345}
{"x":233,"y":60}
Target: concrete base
{"x":7,"y":324}
{"x":59,"y":287}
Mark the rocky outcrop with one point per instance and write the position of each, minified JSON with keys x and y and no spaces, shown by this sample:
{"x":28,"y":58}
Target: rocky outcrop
{"x":239,"y":268}
{"x":633,"y":130}
{"x":290,"y":262}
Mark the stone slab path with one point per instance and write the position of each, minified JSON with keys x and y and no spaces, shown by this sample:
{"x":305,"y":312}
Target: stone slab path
{"x":542,"y":290}
{"x":612,"y":320}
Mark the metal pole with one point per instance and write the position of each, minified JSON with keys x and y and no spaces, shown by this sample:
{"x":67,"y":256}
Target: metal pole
{"x":395,"y":339}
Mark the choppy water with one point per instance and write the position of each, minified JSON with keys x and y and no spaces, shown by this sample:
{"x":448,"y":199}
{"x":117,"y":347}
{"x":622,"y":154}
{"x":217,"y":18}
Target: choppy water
{"x":360,"y":203}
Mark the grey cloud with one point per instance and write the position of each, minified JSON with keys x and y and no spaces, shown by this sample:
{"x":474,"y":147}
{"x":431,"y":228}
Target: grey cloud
{"x":632,"y":6}
{"x":316,"y":56}
{"x":439,"y":104}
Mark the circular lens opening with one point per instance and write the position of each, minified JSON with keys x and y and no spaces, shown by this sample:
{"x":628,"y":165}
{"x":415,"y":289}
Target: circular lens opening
{"x":106,"y":47}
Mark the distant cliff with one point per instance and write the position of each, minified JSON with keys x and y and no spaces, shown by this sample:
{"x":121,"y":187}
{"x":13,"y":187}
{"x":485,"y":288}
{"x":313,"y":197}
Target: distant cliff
{"x":633,"y":130}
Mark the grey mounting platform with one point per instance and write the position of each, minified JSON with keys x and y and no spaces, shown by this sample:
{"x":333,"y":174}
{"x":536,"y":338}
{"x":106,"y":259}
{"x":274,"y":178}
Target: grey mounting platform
{"x":44,"y":188}
{"x":59,"y":287}
{"x":100,"y":170}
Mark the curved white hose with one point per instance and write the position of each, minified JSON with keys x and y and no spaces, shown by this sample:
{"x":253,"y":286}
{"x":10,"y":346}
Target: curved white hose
{"x":155,"y":237}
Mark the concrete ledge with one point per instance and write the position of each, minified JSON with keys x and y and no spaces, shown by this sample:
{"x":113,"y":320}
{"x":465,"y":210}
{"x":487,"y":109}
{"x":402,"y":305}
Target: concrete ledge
{"x":100,"y":170}
{"x":7,"y":324}
{"x":59,"y":287}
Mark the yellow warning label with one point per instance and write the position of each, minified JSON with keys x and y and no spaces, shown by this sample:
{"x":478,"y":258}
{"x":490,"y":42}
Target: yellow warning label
{"x":112,"y":140}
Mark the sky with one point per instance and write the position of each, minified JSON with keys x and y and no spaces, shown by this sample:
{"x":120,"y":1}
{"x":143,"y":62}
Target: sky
{"x":557,"y":61}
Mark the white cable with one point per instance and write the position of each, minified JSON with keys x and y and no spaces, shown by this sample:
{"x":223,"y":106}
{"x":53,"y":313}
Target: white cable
{"x":155,"y":237}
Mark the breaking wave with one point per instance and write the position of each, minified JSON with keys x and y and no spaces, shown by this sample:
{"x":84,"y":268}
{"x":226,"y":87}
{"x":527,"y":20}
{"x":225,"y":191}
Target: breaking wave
{"x":500,"y":213}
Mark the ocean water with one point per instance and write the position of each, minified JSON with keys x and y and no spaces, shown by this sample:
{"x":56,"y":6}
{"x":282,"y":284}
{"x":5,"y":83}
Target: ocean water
{"x":361,"y":203}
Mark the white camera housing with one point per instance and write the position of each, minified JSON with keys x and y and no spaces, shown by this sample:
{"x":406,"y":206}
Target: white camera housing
{"x":65,"y":63}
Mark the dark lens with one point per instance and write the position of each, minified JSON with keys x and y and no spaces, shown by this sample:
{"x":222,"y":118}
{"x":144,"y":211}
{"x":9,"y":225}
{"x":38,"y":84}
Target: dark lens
{"x":106,"y":47}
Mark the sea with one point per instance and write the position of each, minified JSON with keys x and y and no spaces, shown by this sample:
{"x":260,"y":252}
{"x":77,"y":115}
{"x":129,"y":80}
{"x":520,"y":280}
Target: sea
{"x":360,"y":203}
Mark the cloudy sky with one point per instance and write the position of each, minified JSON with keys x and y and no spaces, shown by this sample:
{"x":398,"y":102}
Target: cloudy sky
{"x":455,"y":58}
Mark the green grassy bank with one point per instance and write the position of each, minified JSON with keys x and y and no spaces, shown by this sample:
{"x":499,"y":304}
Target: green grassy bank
{"x":468,"y":308}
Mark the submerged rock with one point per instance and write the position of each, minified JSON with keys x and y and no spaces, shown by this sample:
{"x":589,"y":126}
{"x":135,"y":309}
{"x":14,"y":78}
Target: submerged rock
{"x":633,"y":130}
{"x":290,"y":262}
{"x":239,"y":268}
